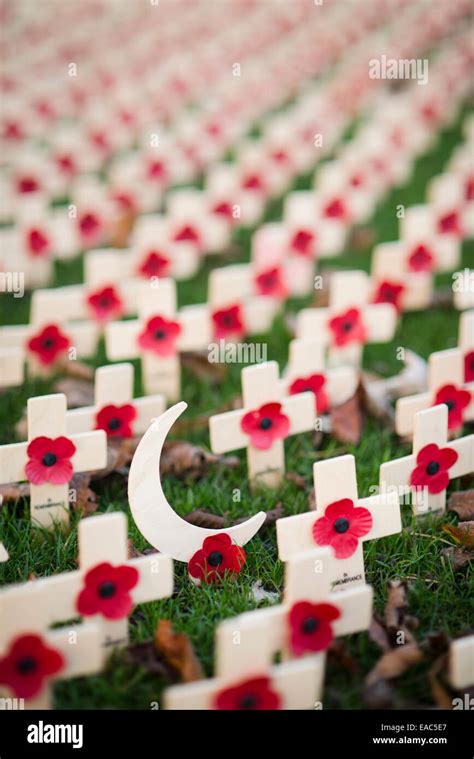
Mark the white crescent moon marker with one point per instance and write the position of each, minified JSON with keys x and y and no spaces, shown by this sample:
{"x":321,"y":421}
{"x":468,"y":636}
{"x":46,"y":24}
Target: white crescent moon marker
{"x":154,"y":516}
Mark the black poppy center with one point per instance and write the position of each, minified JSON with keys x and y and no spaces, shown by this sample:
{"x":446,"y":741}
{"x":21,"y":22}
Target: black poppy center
{"x":160,"y":334}
{"x":346,"y":326}
{"x":432,"y":468}
{"x":107,"y":589}
{"x":389,"y":294}
{"x":269,"y":280}
{"x":215,"y":558}
{"x":114,"y":423}
{"x":227,"y":320}
{"x":48,"y":342}
{"x":309,"y":625}
{"x":105,"y":301}
{"x":49,"y":459}
{"x":249,"y":701}
{"x":450,"y":405}
{"x":26,"y":665}
{"x":341,"y":525}
{"x":265,"y":423}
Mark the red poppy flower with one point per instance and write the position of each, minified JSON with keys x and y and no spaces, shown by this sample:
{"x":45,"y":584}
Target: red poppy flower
{"x":217,"y":556}
{"x":255,"y":694}
{"x":270,"y":282}
{"x":223,"y":209}
{"x":188,"y":234}
{"x":28,"y":664}
{"x":389,"y":292}
{"x":116,"y":420}
{"x":469,"y":189}
{"x":469,"y":367}
{"x":421,"y":259}
{"x":265,"y":425}
{"x":456,"y":400}
{"x":156,"y":171}
{"x":348,"y":328}
{"x":37,"y":242}
{"x":105,"y":304}
{"x":49,"y":460}
{"x":316,"y":384}
{"x":450,"y":224}
{"x":159,"y":336}
{"x":228,"y":322}
{"x":356,"y":180}
{"x":106,"y":591}
{"x":431,"y":471}
{"x":66,"y":164}
{"x":154,"y":265}
{"x":26,"y":185}
{"x":336,"y":209}
{"x":89,"y":226}
{"x":302,"y":242}
{"x":279,"y":156}
{"x":48,"y":344}
{"x":341,"y":527}
{"x":310,"y":626}
{"x":124,"y":202}
{"x":253,"y":182}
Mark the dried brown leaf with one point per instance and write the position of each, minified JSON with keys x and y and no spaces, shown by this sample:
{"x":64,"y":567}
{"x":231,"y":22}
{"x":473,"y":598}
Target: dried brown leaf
{"x":339,"y":652}
{"x":76,"y":369}
{"x":78,"y":392}
{"x":298,"y":479}
{"x":199,"y":365}
{"x":14,"y":491}
{"x":202,"y":518}
{"x":347,"y":420}
{"x":458,"y":557}
{"x":271,"y":516}
{"x":362,"y":238}
{"x":119,"y":455}
{"x":394,"y":663}
{"x":85,"y":501}
{"x":463,"y":533}
{"x":462,"y":503}
{"x":182,"y":459}
{"x":177,"y":651}
{"x":120,"y":229}
{"x":145,"y":655}
{"x":396,"y":617}
{"x":440,"y":695}
{"x":378,"y":634}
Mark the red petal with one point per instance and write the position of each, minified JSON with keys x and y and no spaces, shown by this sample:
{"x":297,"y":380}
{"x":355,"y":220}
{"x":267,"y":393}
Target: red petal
{"x":35,"y":472}
{"x":361,"y":522}
{"x":62,"y":447}
{"x":344,"y":545}
{"x":339,"y":509}
{"x":38,"y":447}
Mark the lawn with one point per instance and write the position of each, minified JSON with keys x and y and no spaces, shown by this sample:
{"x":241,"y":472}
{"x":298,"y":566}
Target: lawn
{"x":438,"y":596}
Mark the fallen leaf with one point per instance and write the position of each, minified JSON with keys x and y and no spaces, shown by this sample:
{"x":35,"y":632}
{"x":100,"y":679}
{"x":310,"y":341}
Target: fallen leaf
{"x":202,"y":518}
{"x":378,"y":634}
{"x":85,"y":501}
{"x":120,"y":230}
{"x":145,"y":655}
{"x":76,"y":369}
{"x":375,"y":400}
{"x":78,"y":392}
{"x":458,"y":557}
{"x":14,"y":491}
{"x":362,"y":238}
{"x":394,"y":663}
{"x":182,"y":459}
{"x":347,"y":420}
{"x":462,"y":503}
{"x":380,"y":392}
{"x":258,"y":593}
{"x":463,"y":533}
{"x":177,"y":651}
{"x":199,"y":365}
{"x":395,"y":615}
{"x":441,"y":697}
{"x":298,"y":479}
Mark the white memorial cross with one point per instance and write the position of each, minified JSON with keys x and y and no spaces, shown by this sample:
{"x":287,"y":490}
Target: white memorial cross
{"x":115,"y":410}
{"x":153,"y":255}
{"x":350,"y":321}
{"x":190,"y":221}
{"x":312,"y":233}
{"x":266,"y":419}
{"x":342,"y":521}
{"x":247,"y":683}
{"x":107,"y":585}
{"x":393,"y":281}
{"x":306,"y":370}
{"x":49,"y":459}
{"x":434,"y":462}
{"x":33,"y":657}
{"x":461,"y":663}
{"x":12,"y":367}
{"x":445,"y":385}
{"x":307,"y":621}
{"x":158,"y":336}
{"x":425,"y":248}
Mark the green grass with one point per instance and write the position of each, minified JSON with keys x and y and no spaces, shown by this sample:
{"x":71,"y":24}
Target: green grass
{"x":438,"y":597}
